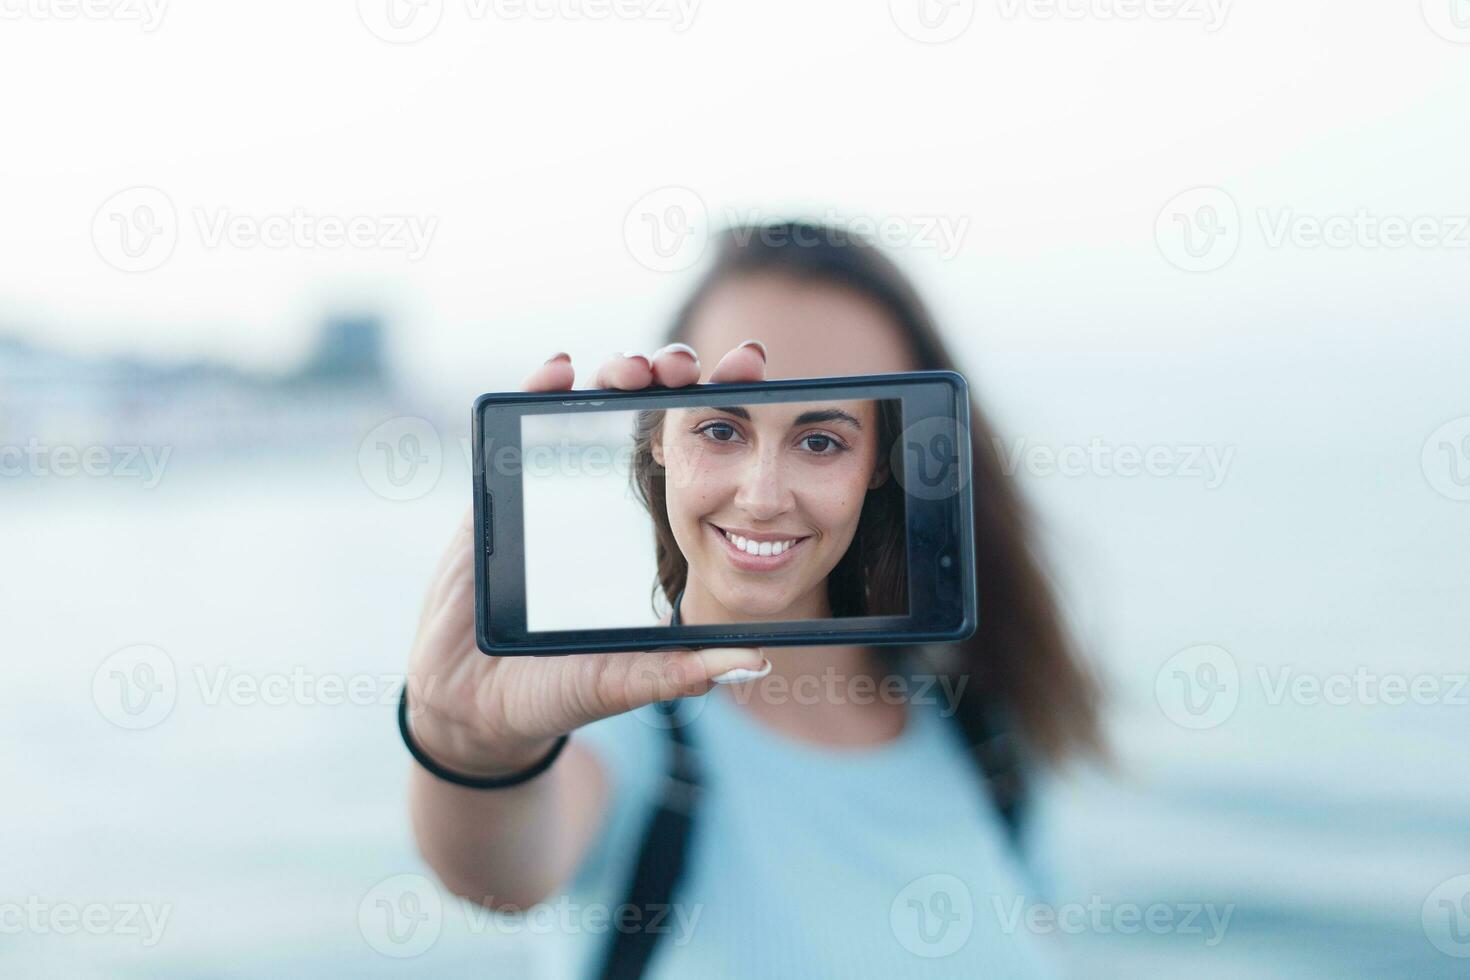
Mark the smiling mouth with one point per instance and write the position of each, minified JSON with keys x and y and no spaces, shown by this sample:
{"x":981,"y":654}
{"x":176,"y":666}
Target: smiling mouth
{"x":758,"y":554}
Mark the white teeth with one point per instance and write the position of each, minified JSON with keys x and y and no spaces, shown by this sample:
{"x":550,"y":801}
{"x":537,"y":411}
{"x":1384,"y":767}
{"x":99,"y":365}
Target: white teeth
{"x":759,"y":548}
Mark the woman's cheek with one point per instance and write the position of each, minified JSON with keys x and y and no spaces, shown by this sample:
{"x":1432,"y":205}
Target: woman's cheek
{"x":697,"y":492}
{"x":837,"y":496}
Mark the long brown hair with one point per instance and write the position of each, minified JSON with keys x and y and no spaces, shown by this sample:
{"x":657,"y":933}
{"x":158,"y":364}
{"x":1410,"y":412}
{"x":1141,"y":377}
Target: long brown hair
{"x":1021,"y":673}
{"x":870,"y":579}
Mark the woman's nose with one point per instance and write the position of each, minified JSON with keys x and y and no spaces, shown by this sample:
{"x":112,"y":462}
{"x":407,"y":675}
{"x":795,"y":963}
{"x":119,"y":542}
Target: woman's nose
{"x":763,"y":493}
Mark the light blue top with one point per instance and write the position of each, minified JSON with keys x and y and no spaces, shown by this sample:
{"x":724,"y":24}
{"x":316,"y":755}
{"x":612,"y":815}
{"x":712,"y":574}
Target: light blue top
{"x":812,"y":862}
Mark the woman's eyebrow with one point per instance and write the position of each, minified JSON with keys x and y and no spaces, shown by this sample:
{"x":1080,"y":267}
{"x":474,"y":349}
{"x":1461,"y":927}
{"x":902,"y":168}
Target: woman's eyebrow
{"x":805,"y":418}
{"x":827,"y":415}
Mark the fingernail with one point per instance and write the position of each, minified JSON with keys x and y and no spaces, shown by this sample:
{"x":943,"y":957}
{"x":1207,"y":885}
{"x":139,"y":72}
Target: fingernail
{"x":677,"y":349}
{"x":559,"y":356}
{"x":741,"y":674}
{"x":642,"y":357}
{"x":758,"y":346}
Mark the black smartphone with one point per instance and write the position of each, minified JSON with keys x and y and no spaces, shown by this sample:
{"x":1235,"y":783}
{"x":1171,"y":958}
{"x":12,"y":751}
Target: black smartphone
{"x":774,"y":513}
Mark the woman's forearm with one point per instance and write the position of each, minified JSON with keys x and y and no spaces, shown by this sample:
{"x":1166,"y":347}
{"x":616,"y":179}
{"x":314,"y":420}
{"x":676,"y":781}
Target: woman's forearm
{"x":513,"y":846}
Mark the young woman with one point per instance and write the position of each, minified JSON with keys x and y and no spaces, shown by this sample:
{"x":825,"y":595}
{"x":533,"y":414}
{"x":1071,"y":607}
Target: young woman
{"x":774,"y":512}
{"x":828,"y":833}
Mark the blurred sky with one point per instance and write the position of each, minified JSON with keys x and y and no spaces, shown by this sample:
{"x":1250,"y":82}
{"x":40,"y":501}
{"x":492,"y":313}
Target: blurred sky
{"x":1055,"y":141}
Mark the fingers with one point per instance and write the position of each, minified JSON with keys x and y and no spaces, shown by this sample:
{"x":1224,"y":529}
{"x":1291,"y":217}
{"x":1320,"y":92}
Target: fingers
{"x":555,"y":375}
{"x":745,"y":363}
{"x":675,"y":366}
{"x":626,"y":681}
{"x":624,"y":372}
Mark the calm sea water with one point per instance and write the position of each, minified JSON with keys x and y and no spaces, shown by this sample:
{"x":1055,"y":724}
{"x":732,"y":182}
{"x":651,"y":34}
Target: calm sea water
{"x":263,"y":824}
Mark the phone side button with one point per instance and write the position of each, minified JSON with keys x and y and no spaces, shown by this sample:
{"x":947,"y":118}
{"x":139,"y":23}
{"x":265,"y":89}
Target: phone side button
{"x":489,"y":525}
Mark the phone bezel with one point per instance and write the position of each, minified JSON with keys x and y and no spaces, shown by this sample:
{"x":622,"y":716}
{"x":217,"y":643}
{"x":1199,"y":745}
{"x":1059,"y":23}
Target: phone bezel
{"x":942,"y":601}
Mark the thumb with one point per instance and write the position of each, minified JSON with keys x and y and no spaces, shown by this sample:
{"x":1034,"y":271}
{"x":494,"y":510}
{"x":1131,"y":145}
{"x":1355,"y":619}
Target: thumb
{"x":629,"y":681}
{"x":733,"y":665}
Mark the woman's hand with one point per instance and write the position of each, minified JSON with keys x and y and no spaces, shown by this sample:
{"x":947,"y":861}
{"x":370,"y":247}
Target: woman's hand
{"x":484,"y":715}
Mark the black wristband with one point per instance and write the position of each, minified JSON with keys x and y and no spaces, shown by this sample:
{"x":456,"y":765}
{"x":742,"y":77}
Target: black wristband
{"x":459,"y":779}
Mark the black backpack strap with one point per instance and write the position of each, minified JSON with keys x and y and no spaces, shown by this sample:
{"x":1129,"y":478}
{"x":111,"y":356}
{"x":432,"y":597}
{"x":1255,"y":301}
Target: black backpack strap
{"x":661,"y":859}
{"x":665,"y":847}
{"x":998,"y":756}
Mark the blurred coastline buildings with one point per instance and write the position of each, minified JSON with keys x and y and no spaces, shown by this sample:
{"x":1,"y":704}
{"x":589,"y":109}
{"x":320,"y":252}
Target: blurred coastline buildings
{"x":55,"y":398}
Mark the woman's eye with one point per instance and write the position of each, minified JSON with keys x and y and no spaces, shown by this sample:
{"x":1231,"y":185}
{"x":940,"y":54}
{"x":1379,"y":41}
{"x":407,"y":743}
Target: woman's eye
{"x":719,"y":431}
{"x":820,"y":444}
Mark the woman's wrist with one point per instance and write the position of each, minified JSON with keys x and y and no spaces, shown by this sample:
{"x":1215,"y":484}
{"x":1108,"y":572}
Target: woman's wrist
{"x":460,"y":748}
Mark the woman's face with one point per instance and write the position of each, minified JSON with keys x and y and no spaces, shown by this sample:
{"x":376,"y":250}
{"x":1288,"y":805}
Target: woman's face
{"x":811,"y":330}
{"x":771,"y":473}
{"x":764,"y":499}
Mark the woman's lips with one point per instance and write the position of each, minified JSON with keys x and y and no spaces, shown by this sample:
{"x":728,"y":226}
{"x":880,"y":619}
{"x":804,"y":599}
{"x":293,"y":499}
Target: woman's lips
{"x":741,"y":557}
